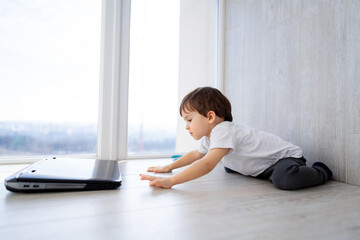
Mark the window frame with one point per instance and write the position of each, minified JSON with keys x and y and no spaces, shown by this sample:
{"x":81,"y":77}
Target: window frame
{"x":114,"y":80}
{"x":220,"y":43}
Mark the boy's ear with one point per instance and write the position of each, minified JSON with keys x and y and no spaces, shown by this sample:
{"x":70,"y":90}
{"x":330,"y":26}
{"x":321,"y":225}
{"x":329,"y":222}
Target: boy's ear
{"x":211,"y":116}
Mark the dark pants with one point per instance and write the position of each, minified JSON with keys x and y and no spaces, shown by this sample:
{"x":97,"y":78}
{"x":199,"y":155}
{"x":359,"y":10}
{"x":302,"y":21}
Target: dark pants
{"x":292,"y":173}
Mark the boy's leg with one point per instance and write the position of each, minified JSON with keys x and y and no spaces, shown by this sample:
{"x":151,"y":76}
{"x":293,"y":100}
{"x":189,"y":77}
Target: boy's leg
{"x":292,"y":173}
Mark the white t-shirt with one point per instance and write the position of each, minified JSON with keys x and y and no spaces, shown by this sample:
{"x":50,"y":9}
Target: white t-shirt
{"x":250,"y":152}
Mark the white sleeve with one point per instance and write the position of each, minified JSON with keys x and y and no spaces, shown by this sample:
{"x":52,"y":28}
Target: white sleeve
{"x":204,"y":145}
{"x":222,"y":137}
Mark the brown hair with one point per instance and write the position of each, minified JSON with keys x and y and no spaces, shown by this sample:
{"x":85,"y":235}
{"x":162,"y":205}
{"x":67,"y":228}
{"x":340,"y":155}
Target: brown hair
{"x":207,"y":99}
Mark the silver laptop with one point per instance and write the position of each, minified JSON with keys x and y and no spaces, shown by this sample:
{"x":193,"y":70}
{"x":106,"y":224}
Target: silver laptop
{"x":66,"y":174}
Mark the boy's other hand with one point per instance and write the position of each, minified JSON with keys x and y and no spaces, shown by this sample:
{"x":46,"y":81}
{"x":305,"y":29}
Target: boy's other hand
{"x":157,"y":181}
{"x":159,"y":169}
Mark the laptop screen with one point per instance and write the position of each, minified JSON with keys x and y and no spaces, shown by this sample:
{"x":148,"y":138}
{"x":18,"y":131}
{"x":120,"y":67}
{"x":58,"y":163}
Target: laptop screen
{"x":74,"y":169}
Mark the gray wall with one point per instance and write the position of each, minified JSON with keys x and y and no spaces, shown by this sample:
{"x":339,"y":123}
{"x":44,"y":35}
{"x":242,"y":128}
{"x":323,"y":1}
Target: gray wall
{"x":293,"y":68}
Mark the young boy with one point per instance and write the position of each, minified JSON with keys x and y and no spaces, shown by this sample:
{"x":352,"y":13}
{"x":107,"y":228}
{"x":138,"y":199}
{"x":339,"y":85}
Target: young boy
{"x":207,"y":113}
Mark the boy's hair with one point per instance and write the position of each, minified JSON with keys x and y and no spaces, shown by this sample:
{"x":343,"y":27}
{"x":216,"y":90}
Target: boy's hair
{"x":205,"y":99}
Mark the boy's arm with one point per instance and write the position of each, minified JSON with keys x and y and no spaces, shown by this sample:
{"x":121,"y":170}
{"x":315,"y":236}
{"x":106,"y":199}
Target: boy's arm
{"x":196,"y":170}
{"x":200,"y":167}
{"x":187,"y":159}
{"x":181,"y":162}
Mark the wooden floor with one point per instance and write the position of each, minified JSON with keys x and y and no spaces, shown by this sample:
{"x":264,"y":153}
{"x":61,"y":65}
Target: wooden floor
{"x":217,"y":206}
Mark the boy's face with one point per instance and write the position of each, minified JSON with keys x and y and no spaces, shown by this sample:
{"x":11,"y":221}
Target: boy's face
{"x":197,"y":125}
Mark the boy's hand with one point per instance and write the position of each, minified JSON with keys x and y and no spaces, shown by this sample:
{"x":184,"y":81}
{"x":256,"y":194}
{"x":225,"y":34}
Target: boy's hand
{"x":157,"y":181}
{"x":159,"y":169}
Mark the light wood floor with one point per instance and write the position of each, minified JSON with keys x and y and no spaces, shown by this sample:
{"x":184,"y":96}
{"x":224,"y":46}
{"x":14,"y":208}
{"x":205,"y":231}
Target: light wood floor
{"x":217,"y":206}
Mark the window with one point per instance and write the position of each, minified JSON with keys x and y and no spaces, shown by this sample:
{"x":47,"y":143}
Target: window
{"x":49,"y":71}
{"x":49,"y":68}
{"x":153,"y":76}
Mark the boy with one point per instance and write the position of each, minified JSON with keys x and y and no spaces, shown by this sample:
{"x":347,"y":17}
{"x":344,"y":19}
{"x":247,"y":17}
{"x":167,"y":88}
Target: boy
{"x":207,"y":113}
